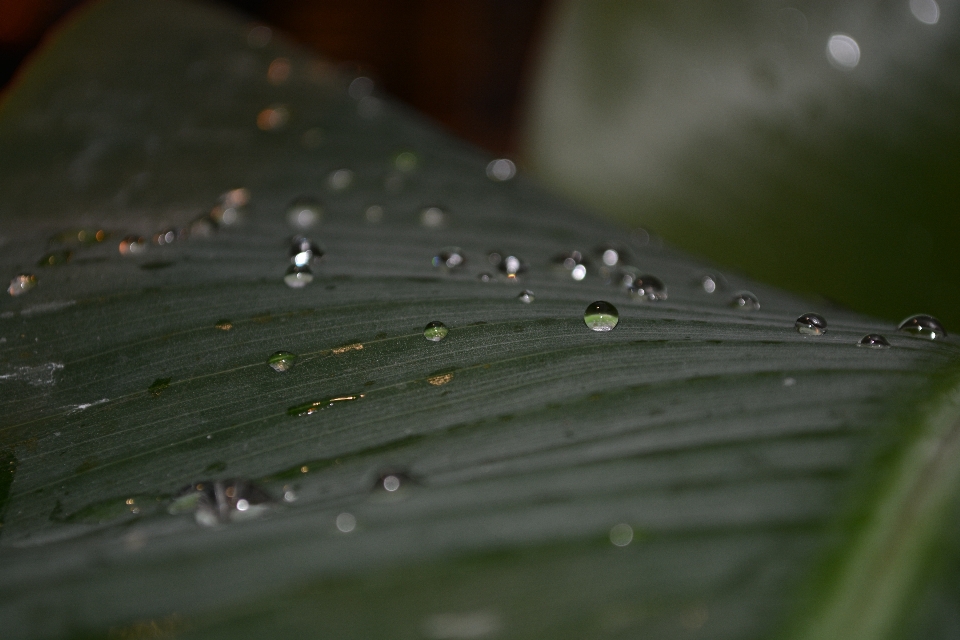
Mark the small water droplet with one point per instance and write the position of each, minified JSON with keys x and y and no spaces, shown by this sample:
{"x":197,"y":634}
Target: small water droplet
{"x":374,"y":214}
{"x":811,"y":324}
{"x":450,"y":258}
{"x":346,"y":522}
{"x":279,"y":71}
{"x":746,"y":301}
{"x":485,"y":277}
{"x":874,"y":341}
{"x":647,"y":287}
{"x":610,"y":256}
{"x":432,"y":217}
{"x":406,"y":161}
{"x":621,"y":534}
{"x":223,"y":325}
{"x":923,"y":326}
{"x":340,"y":179}
{"x":304,"y":212}
{"x":391,"y":482}
{"x":435,"y":331}
{"x":158,"y":385}
{"x":221,"y":501}
{"x":708,"y":283}
{"x":273,"y":118}
{"x":22,"y":283}
{"x":282,"y":361}
{"x":501,"y":170}
{"x":303,"y":252}
{"x":132,"y":245}
{"x":298,"y":277}
{"x":601,"y":316}
{"x":309,"y":408}
{"x":526,"y":296}
{"x":509,"y":265}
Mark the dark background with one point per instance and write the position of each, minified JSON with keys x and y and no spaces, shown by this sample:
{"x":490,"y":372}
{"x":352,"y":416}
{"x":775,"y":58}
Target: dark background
{"x":462,"y":63}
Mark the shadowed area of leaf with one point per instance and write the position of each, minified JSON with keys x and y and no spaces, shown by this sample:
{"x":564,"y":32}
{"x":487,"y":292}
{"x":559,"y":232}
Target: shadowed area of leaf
{"x":692,"y":473}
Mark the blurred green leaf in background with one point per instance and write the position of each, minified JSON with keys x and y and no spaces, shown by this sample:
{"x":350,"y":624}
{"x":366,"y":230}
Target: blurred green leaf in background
{"x":279,"y":359}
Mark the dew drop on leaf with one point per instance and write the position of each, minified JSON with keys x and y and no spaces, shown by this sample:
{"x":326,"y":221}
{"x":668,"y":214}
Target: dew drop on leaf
{"x":433,"y":217}
{"x":373,"y":214}
{"x":304,"y":252}
{"x":649,"y":288}
{"x":22,"y":283}
{"x":573,"y":263}
{"x":621,"y":534}
{"x":708,"y":283}
{"x":526,"y":296}
{"x":340,"y":179}
{"x":298,"y":277}
{"x":485,"y":277}
{"x":601,"y":316}
{"x":746,"y":301}
{"x":874,"y":341}
{"x":811,"y":324}
{"x":346,"y":522}
{"x":435,"y":331}
{"x":923,"y":326}
{"x":282,"y":361}
{"x":509,"y":265}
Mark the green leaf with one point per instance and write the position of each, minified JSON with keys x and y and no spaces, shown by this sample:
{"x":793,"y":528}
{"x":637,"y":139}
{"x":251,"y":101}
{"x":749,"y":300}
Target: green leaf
{"x":701,"y":469}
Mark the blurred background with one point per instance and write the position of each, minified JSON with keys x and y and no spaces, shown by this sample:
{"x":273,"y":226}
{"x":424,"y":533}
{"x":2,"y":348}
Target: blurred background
{"x":814,"y":145}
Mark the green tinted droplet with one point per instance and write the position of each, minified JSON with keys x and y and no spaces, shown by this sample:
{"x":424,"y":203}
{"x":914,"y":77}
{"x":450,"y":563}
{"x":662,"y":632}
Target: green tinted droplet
{"x":435,"y":331}
{"x":282,"y":361}
{"x":159,"y":385}
{"x":923,"y":326}
{"x":601,"y":316}
{"x":874,"y":341}
{"x":811,"y":324}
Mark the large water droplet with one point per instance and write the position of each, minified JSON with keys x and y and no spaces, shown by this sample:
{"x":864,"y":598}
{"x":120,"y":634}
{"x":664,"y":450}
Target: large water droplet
{"x":433,"y":217}
{"x":501,"y":170}
{"x":435,"y":331}
{"x":601,"y":316}
{"x":298,"y":277}
{"x":22,"y":283}
{"x":811,"y":324}
{"x":303,"y":252}
{"x":526,"y":296}
{"x":923,"y":326}
{"x":282,"y":361}
{"x":221,"y":501}
{"x":746,"y":301}
{"x":874,"y":341}
{"x":304,"y":212}
{"x":450,"y":258}
{"x":649,"y":288}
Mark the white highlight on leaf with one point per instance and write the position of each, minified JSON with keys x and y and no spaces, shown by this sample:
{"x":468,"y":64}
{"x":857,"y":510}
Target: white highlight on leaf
{"x":38,"y":376}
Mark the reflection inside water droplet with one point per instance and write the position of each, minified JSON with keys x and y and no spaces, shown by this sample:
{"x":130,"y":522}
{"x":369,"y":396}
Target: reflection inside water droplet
{"x":874,"y":341}
{"x":648,"y":288}
{"x":22,"y":283}
{"x":601,"y":316}
{"x":298,"y":277}
{"x":746,"y":301}
{"x":450,"y":258}
{"x":811,"y":324}
{"x":526,"y":296}
{"x":435,"y":331}
{"x":923,"y":326}
{"x":282,"y":361}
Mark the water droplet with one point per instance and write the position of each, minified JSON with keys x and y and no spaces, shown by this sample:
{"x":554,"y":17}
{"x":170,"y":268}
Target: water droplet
{"x":22,"y":283}
{"x":340,"y":179}
{"x":132,"y":245}
{"x":309,"y":408}
{"x":621,"y":535}
{"x":501,"y":170}
{"x":572,"y":262}
{"x":923,"y":326}
{"x":449,"y":257}
{"x":647,"y":287}
{"x":811,"y":324}
{"x":926,"y":11}
{"x":526,"y":296}
{"x":509,"y":265}
{"x":282,"y":361}
{"x":259,"y":36}
{"x":610,"y":255}
{"x":360,"y":87}
{"x":746,"y":301}
{"x":406,"y":161}
{"x":374,"y":214}
{"x":273,"y":118}
{"x":709,"y":283}
{"x":435,"y":331}
{"x":843,"y":52}
{"x":158,"y":385}
{"x":221,"y":501}
{"x":874,"y":341}
{"x":391,"y":481}
{"x":485,"y":277}
{"x":346,"y":522}
{"x":298,"y":277}
{"x":55,"y":258}
{"x":279,"y":71}
{"x":303,"y":252}
{"x":601,"y":316}
{"x":223,"y":325}
{"x":432,"y":217}
{"x":304,"y":212}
